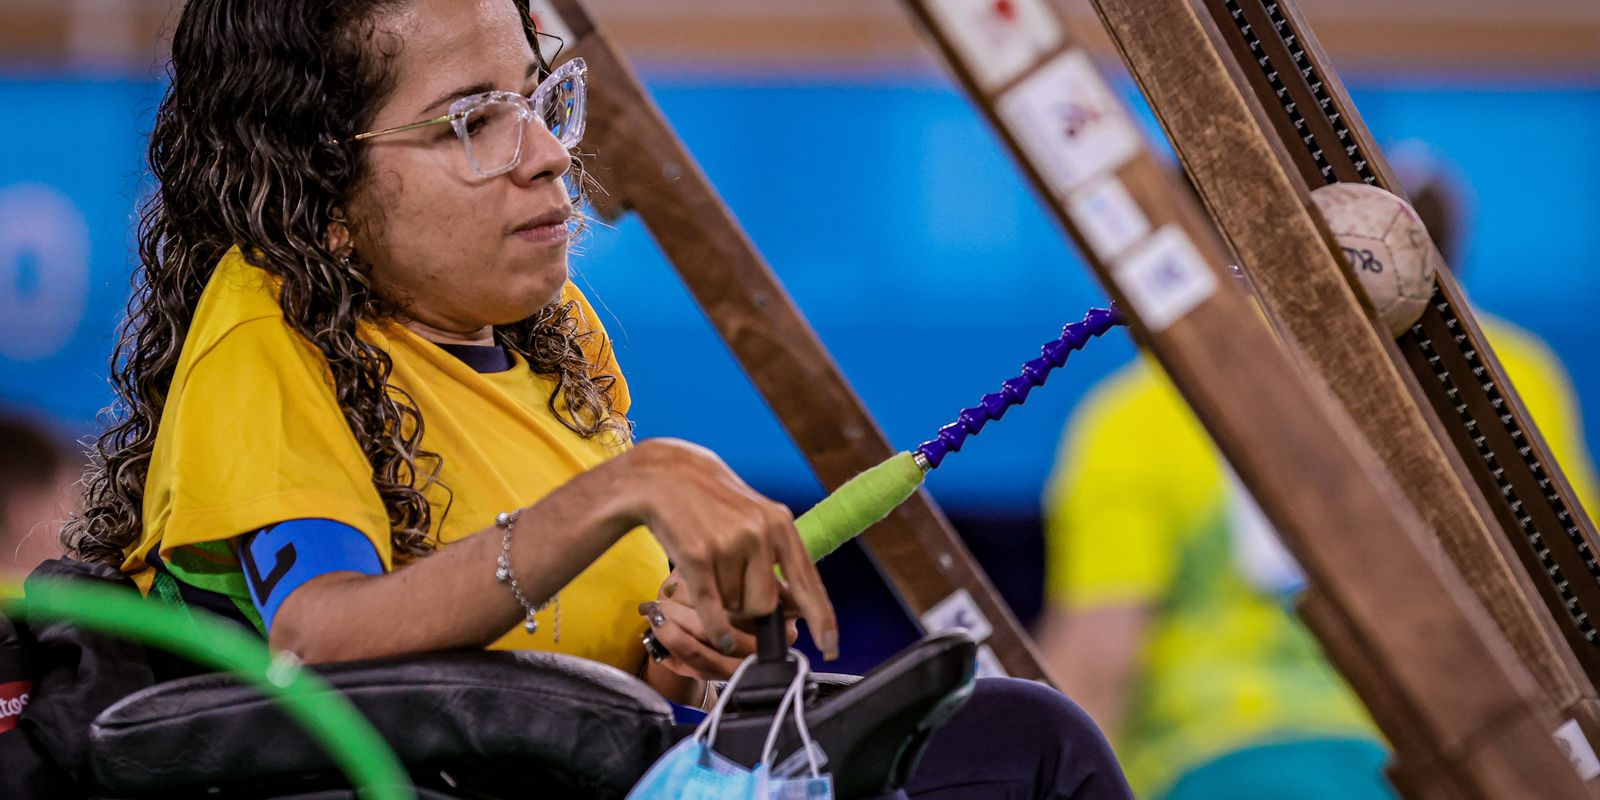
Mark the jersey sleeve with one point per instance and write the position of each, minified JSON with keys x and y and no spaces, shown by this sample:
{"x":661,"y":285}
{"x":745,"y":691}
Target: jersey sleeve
{"x":1134,"y":475}
{"x":252,"y":434}
{"x":281,"y":558}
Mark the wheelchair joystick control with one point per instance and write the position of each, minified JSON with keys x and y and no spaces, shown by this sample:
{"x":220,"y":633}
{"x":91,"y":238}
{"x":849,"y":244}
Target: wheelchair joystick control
{"x":766,"y":681}
{"x":772,"y":640}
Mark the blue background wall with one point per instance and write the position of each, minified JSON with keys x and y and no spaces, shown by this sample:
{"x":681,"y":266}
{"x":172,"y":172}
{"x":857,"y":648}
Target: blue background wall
{"x":895,"y":220}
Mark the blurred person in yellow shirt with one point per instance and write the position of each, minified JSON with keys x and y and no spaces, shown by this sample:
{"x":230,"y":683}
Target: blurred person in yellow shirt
{"x":1169,"y":597}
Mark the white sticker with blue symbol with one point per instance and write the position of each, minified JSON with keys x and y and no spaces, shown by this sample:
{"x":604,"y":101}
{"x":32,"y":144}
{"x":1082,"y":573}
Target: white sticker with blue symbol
{"x":1570,"y":738}
{"x":1165,"y":278}
{"x":1108,"y":217}
{"x":958,"y":612}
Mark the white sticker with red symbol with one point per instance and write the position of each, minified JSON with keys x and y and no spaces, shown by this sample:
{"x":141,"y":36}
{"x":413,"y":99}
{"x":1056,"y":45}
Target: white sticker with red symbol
{"x":547,"y":21}
{"x":1165,"y":278}
{"x":998,"y":39}
{"x":1069,"y":124}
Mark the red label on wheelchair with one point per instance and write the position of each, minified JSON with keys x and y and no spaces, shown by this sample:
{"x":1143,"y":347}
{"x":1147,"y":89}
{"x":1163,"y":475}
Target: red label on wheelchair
{"x":13,"y":698}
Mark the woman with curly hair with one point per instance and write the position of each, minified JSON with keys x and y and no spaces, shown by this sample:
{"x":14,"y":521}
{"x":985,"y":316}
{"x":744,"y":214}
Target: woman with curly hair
{"x":347,"y":350}
{"x":363,"y":410}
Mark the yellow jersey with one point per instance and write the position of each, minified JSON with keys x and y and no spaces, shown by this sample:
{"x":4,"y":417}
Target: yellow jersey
{"x":253,"y":435}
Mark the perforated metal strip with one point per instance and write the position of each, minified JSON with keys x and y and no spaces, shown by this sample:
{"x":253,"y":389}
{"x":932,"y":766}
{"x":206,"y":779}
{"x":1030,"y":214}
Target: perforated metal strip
{"x":1524,"y":522}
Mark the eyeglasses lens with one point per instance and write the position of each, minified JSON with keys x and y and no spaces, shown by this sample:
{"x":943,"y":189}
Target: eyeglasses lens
{"x":559,"y":111}
{"x":493,"y":131}
{"x":560,"y":105}
{"x":494,"y":136}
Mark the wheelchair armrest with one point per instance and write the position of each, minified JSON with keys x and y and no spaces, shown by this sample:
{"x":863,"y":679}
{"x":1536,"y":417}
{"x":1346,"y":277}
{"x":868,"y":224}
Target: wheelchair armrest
{"x":825,"y":685}
{"x":567,"y":725}
{"x":830,"y":684}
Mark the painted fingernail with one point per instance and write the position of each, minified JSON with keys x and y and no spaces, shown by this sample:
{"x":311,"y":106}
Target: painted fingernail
{"x":670,"y":587}
{"x":652,"y":612}
{"x":725,"y":643}
{"x":830,"y":645}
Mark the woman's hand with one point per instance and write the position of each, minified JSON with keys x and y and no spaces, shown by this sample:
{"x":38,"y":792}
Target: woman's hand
{"x":678,"y":629}
{"x":724,"y":539}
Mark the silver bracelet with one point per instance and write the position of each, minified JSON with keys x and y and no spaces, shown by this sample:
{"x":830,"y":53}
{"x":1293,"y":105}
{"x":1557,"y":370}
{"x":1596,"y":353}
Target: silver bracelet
{"x":506,"y":521}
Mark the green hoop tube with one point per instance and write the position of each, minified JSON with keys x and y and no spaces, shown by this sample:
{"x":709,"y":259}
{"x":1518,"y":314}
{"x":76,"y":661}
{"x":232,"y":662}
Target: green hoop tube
{"x":356,"y":748}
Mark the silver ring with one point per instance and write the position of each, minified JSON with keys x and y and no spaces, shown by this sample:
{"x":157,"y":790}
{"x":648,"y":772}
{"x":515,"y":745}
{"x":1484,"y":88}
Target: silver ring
{"x":658,"y":651}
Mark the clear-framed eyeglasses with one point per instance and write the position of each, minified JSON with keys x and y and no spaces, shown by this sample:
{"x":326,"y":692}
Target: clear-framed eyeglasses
{"x":492,"y":125}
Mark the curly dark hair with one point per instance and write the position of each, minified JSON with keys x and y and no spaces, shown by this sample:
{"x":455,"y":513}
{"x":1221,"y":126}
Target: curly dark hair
{"x":251,"y":149}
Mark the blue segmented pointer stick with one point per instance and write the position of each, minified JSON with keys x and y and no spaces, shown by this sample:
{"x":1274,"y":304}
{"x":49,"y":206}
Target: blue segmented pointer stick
{"x":870,"y":496}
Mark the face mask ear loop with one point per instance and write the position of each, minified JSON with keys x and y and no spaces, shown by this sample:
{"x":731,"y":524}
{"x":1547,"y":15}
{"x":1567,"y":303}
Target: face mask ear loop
{"x":805,"y":738}
{"x":708,"y":727}
{"x":791,"y":696}
{"x":805,"y":732}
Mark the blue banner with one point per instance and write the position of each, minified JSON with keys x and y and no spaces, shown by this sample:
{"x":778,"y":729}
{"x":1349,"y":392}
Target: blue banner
{"x":889,"y":211}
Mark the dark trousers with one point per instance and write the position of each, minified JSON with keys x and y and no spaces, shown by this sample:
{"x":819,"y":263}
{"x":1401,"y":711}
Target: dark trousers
{"x":1017,"y":740}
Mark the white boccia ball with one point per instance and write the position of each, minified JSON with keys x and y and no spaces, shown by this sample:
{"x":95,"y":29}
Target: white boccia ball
{"x":1387,"y":246}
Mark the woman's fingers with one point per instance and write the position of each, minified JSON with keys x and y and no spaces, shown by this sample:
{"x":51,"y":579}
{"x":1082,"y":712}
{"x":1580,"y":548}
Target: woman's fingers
{"x":731,"y":578}
{"x":697,"y":568}
{"x":806,"y":587}
{"x":680,"y":632}
{"x":761,"y":585}
{"x":746,"y":586}
{"x":682,"y":616}
{"x":725,"y":538}
{"x":719,"y":630}
{"x":671,"y":585}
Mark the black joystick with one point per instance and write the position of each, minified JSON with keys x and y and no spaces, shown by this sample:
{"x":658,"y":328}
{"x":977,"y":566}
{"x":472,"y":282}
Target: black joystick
{"x":764,"y":683}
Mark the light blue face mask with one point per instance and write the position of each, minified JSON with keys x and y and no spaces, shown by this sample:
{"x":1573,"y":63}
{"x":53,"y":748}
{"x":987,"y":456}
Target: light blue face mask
{"x":692,"y":770}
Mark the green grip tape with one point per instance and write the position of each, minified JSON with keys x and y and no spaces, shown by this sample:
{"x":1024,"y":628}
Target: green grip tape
{"x":860,"y":502}
{"x":356,"y":748}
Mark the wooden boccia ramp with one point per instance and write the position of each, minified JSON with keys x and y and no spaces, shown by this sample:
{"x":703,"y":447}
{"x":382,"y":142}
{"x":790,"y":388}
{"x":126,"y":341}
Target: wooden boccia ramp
{"x":1258,"y":119}
{"x":1450,"y":569}
{"x":1436,"y":403}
